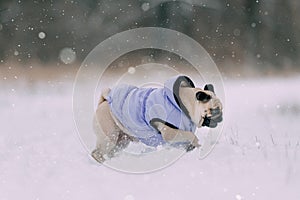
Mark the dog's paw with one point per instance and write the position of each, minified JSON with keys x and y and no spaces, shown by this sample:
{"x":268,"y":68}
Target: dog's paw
{"x":189,"y":147}
{"x":97,"y":155}
{"x":193,"y":145}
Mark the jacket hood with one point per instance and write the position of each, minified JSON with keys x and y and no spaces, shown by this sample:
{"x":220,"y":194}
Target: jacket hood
{"x":172,"y":87}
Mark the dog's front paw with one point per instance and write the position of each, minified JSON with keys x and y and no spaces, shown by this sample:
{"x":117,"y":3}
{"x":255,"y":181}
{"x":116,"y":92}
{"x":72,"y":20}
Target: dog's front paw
{"x":97,"y":155}
{"x":193,"y":145}
{"x":190,"y":147}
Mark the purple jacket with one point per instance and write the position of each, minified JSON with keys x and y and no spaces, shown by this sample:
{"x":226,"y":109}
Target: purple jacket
{"x":137,"y":108}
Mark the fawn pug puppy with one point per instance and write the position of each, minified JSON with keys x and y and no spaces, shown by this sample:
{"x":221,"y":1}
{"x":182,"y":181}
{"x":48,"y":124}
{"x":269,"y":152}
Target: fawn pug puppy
{"x":154,"y":116}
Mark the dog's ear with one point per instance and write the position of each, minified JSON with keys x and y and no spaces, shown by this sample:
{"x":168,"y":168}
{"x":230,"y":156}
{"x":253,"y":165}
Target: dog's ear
{"x":202,"y":96}
{"x":209,"y":87}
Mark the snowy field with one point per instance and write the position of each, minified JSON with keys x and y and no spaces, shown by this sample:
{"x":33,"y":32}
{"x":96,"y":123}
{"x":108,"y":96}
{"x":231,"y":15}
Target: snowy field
{"x":257,"y":157}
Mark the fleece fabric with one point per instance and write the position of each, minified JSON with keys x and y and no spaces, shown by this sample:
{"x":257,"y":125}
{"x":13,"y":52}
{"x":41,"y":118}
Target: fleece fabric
{"x":137,"y":109}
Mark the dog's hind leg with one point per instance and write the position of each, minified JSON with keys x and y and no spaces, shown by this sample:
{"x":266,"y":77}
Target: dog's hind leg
{"x":107,"y":132}
{"x":122,"y":142}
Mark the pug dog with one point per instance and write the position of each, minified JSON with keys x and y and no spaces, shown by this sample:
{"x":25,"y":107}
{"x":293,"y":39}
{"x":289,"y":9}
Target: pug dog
{"x":154,"y":116}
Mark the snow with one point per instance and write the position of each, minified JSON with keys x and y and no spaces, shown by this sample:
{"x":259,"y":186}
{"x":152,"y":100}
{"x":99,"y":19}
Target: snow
{"x":257,"y":156}
{"x":238,"y":197}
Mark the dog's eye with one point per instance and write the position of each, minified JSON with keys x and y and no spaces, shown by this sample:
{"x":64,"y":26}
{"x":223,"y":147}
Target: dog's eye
{"x":202,"y":96}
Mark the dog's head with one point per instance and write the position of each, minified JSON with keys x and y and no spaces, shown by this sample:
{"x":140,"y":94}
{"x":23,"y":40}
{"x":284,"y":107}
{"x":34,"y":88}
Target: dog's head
{"x":204,"y":107}
{"x":211,"y":112}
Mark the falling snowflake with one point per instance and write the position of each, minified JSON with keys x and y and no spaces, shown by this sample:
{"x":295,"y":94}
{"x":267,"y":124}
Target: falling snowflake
{"x":145,"y":6}
{"x":67,"y":55}
{"x":131,"y":70}
{"x":236,"y":32}
{"x":42,"y":35}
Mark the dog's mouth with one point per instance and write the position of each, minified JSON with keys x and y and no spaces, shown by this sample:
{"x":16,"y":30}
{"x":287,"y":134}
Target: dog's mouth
{"x":213,"y":119}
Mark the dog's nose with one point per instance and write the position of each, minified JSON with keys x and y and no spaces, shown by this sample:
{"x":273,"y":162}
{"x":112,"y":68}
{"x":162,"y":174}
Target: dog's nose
{"x":215,"y":111}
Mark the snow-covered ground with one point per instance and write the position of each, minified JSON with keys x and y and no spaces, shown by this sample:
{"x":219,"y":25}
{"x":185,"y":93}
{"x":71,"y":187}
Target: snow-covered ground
{"x":257,"y":157}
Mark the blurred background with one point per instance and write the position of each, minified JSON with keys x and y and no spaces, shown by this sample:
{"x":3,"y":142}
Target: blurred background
{"x":244,"y":37}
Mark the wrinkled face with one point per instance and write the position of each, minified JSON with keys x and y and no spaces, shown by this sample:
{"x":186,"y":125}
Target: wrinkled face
{"x":208,"y":108}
